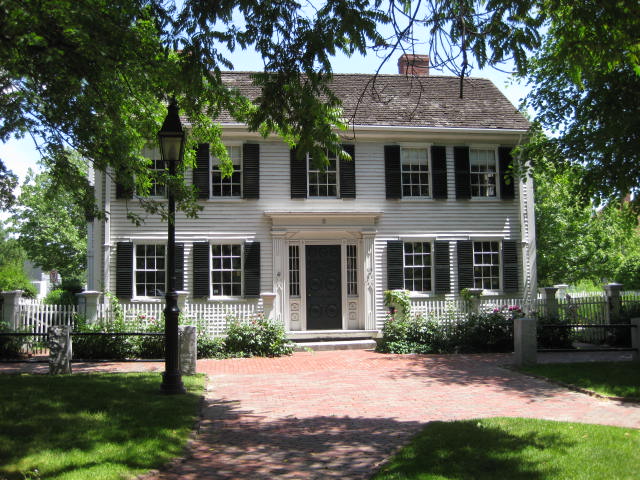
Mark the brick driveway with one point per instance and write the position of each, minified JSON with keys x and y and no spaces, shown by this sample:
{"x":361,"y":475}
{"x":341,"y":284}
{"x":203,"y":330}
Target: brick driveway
{"x":339,"y":414}
{"x":330,"y":415}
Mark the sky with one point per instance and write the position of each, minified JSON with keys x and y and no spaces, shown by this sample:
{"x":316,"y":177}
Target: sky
{"x":20,"y":155}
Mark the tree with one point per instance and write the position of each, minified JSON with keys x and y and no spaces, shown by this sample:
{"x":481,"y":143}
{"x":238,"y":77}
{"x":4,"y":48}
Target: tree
{"x":576,"y":241}
{"x":586,"y":90}
{"x":51,"y":223}
{"x":12,"y":258}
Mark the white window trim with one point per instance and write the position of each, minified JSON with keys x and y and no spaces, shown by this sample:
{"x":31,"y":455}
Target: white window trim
{"x":427,"y":148}
{"x":322,"y":197}
{"x":210,"y":258}
{"x":213,"y":160}
{"x":493,"y":148}
{"x":500,"y":239}
{"x":417,"y":293}
{"x":153,"y":153}
{"x":134,"y":270}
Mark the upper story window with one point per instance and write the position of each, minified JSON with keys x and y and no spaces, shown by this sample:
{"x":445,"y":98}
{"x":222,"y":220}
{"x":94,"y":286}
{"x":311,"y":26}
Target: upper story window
{"x":226,"y":270}
{"x":483,"y":169}
{"x":150,"y":272}
{"x":323,"y":183}
{"x":415,"y":172}
{"x":230,"y":186}
{"x":486,"y":265}
{"x":417,"y":266}
{"x":157,"y":167}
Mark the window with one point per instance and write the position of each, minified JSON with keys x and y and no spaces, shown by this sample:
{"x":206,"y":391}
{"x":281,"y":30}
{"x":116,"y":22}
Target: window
{"x":294,"y":270}
{"x":483,"y":173}
{"x":352,"y":270}
{"x":486,"y":265}
{"x":149,"y":273}
{"x":230,"y":186}
{"x":417,"y":266}
{"x":415,"y":172}
{"x":158,"y":188}
{"x":323,"y":183}
{"x":226,"y":270}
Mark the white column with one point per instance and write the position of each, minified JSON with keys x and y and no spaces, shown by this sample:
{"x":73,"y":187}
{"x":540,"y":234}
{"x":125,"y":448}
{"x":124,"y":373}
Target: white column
{"x":369,"y":290}
{"x":280,"y":279}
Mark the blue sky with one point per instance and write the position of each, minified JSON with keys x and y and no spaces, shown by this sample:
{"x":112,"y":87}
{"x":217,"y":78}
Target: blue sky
{"x":20,"y":155}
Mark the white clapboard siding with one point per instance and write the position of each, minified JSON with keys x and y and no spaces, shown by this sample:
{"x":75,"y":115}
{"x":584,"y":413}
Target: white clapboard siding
{"x":244,"y":220}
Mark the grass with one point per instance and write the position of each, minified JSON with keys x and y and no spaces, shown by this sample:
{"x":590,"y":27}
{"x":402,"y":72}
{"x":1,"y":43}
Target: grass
{"x":101,"y":426}
{"x":613,"y":379}
{"x":515,"y":449}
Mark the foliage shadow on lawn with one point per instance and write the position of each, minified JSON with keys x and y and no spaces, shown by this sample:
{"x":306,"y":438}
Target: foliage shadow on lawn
{"x":91,"y":426}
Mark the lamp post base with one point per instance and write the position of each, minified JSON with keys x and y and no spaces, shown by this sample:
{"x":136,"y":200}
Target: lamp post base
{"x":172,"y":383}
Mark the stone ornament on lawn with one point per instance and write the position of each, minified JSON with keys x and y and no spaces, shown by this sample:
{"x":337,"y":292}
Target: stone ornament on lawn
{"x":59,"y":350}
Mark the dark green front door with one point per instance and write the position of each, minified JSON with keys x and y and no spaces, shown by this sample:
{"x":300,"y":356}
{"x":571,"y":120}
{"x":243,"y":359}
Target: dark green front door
{"x":324,"y":287}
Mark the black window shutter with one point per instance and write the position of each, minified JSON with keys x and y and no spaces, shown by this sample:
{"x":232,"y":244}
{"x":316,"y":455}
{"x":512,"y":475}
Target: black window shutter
{"x":179,"y":266}
{"x":298,"y":175}
{"x":463,"y":175}
{"x":465,"y":264}
{"x":442,"y":267}
{"x":439,"y":172}
{"x":507,"y":185}
{"x":252,"y":269}
{"x":201,"y":252}
{"x":392,"y":173}
{"x":124,"y":186}
{"x":124,"y":269}
{"x":201,"y":171}
{"x":510,"y":266}
{"x":251,"y":170}
{"x":348,"y":173}
{"x":395,"y":262}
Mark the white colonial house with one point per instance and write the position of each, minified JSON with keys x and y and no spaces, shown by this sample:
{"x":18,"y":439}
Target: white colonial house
{"x":424,"y":205}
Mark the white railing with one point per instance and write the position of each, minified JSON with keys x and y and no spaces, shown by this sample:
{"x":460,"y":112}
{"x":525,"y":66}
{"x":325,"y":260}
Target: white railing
{"x":36,"y":317}
{"x":209,"y":317}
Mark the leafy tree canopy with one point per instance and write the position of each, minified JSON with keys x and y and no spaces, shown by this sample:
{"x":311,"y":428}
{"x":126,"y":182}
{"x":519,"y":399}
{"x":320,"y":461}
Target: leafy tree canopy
{"x":12,"y":258}
{"x":51,"y":222}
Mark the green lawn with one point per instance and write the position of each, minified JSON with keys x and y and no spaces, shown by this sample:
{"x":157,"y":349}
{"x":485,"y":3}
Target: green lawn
{"x":514,"y":449}
{"x":617,"y":379}
{"x":102,"y":426}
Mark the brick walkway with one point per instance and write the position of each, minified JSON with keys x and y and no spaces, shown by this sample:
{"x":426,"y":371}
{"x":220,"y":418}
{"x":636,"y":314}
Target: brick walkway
{"x":339,"y":414}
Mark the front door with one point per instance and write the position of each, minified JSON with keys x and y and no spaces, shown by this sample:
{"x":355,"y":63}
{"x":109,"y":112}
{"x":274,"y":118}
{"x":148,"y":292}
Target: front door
{"x":324,"y":287}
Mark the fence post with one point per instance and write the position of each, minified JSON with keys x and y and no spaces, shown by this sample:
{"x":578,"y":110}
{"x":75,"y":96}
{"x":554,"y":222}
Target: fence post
{"x":525,"y":347}
{"x":612,"y":312}
{"x":635,"y":339}
{"x":188,"y":349}
{"x":10,"y":307}
{"x":88,"y":305}
{"x":268,"y":299}
{"x":60,"y":349}
{"x":474,"y":299}
{"x":550,"y":302}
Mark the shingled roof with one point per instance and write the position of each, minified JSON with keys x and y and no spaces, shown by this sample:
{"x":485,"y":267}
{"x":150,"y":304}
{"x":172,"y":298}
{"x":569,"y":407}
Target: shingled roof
{"x":400,"y":100}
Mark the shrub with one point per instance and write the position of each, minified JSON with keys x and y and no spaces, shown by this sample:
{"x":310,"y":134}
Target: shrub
{"x":468,"y":333}
{"x":555,"y":336}
{"x":256,"y":337}
{"x":211,"y":347}
{"x":10,"y":346}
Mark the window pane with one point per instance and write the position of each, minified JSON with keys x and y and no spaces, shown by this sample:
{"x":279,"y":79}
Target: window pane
{"x":226,"y":269}
{"x":415,"y":172}
{"x":417,"y":266}
{"x":483,"y":173}
{"x":486,"y":265}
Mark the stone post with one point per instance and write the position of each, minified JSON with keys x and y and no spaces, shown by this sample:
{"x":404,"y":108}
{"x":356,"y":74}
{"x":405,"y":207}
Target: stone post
{"x":550,"y":302}
{"x":562,"y":289}
{"x":60,"y":349}
{"x":612,"y":312}
{"x":188,"y":349}
{"x":10,"y":304}
{"x":525,"y":347}
{"x":635,"y":339}
{"x":268,"y":301}
{"x":88,"y":305}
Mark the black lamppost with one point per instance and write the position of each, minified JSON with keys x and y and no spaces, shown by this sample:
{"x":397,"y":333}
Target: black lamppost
{"x":172,"y":138}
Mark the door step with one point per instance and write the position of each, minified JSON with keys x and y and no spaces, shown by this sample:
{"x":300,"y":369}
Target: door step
{"x":325,"y":345}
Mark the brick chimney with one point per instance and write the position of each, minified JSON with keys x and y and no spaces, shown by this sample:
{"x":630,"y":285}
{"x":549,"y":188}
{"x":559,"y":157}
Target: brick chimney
{"x":417,"y":65}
